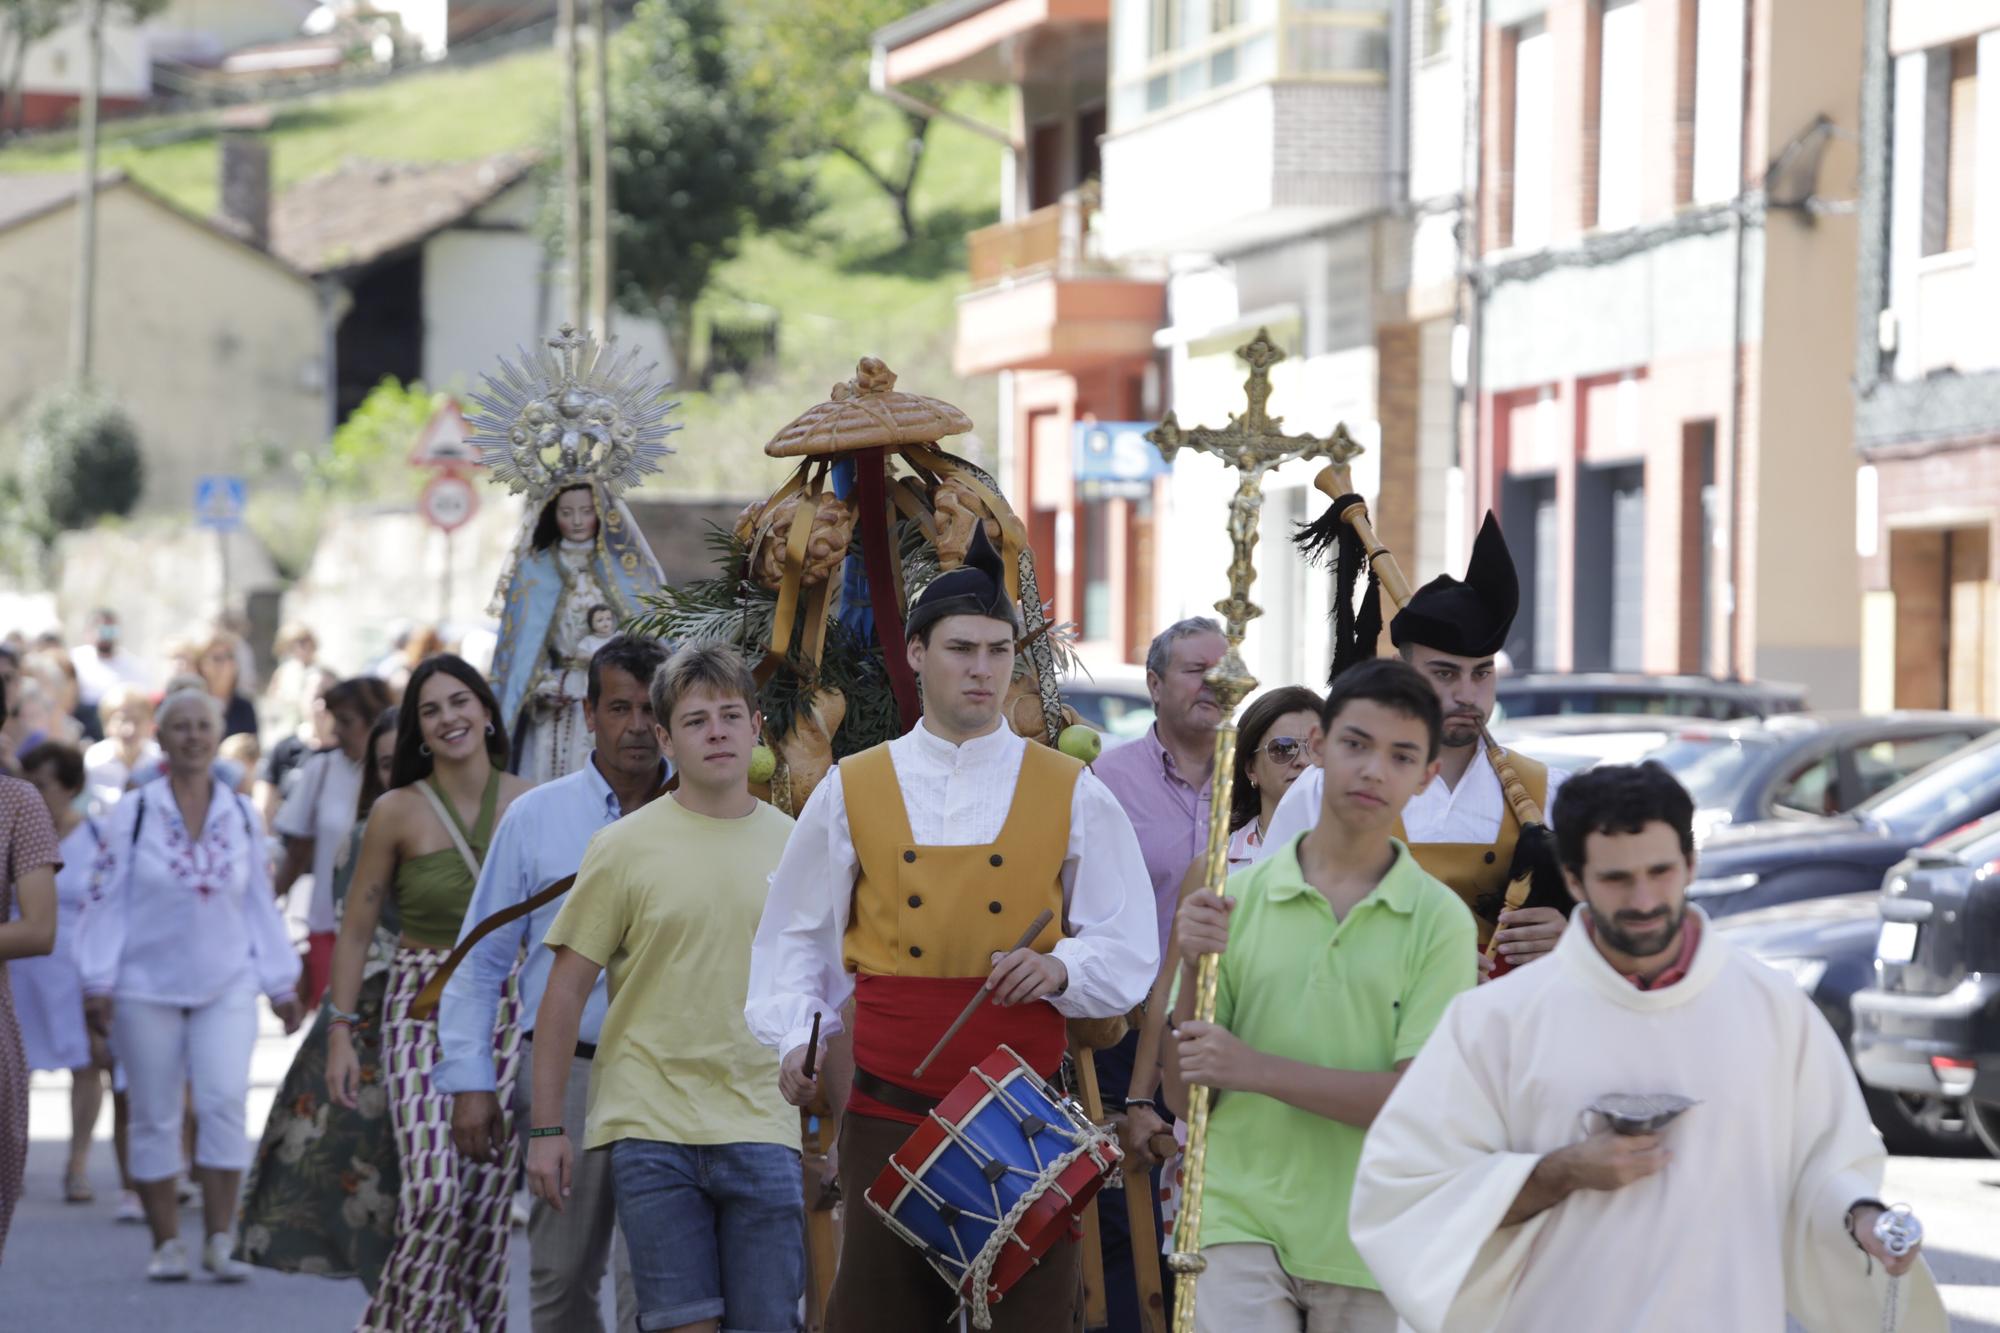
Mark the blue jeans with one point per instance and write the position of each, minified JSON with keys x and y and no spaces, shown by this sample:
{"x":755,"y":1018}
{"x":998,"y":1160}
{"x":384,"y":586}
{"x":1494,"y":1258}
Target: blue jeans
{"x":713,"y":1232}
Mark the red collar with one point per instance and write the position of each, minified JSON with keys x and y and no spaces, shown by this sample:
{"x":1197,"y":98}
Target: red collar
{"x":1683,"y":959}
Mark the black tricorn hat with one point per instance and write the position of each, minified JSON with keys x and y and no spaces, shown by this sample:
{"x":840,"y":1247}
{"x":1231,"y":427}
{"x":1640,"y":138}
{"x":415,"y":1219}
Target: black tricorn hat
{"x":976,"y":588}
{"x":1469,"y":618}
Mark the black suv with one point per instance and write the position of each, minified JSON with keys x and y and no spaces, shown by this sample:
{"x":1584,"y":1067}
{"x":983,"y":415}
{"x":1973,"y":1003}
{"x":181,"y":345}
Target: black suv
{"x":1931,"y":1022}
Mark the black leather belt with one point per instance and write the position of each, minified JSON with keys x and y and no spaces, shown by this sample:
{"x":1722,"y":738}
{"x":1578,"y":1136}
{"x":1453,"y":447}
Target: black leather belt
{"x":892,"y":1096}
{"x":584,"y":1050}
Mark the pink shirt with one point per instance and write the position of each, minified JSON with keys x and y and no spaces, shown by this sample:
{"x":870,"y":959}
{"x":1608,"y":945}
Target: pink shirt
{"x":1167,"y":812}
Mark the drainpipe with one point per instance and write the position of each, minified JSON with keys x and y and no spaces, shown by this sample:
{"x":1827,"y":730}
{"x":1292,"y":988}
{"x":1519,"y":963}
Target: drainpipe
{"x":1739,"y":225}
{"x":1471,"y":300}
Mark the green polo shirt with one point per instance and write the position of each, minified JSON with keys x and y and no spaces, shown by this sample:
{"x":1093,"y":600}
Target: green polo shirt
{"x":1360,"y":994}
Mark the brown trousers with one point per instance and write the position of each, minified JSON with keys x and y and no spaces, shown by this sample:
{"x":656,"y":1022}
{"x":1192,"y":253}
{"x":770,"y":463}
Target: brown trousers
{"x":885,"y":1286}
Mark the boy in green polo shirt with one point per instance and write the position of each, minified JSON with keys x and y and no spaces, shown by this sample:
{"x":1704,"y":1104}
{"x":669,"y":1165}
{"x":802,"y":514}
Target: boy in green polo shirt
{"x":1339,"y":955}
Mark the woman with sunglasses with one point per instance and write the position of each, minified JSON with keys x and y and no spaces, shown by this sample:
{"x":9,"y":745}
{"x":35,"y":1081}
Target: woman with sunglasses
{"x":1273,"y":746}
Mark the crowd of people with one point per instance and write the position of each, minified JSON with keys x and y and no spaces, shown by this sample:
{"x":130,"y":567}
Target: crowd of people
{"x":625,"y":983}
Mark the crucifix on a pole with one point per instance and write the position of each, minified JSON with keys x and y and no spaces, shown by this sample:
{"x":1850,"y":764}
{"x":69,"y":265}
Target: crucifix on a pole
{"x":1253,"y":443}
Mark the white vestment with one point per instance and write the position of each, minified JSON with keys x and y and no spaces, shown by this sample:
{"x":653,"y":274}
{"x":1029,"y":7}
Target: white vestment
{"x":1745,"y":1222}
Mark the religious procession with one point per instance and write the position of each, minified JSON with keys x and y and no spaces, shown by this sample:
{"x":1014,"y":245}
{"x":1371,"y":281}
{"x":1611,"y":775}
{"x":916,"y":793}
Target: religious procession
{"x":875,"y":858}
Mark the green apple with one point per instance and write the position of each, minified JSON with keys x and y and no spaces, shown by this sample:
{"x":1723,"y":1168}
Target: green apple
{"x":1080,"y":742}
{"x":763,"y":763}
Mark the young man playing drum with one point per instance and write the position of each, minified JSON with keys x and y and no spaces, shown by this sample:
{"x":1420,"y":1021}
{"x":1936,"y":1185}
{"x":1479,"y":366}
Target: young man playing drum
{"x":704,"y":1154}
{"x":914,"y":869}
{"x":1339,"y":955}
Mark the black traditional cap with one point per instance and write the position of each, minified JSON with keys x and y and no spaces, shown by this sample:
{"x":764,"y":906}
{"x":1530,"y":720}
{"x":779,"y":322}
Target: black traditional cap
{"x":1469,"y":618}
{"x":976,"y":588}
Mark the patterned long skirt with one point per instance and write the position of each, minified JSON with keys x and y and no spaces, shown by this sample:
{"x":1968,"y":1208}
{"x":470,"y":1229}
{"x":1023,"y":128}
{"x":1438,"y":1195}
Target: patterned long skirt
{"x":448,"y":1268}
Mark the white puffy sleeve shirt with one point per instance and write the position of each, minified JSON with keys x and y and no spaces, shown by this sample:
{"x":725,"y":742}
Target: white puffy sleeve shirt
{"x":956,"y":795}
{"x":179,"y":918}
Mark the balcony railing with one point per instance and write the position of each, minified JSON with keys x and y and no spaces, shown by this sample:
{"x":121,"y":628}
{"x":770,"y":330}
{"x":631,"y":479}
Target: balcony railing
{"x":1055,"y":239}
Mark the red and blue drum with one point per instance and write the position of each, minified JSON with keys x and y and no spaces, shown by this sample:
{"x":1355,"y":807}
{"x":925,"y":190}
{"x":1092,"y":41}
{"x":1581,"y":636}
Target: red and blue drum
{"x":1001,"y":1171}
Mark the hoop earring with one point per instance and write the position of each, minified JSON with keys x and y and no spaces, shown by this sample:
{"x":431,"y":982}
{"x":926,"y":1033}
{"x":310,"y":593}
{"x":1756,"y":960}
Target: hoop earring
{"x":489,"y":728}
{"x":424,"y":749}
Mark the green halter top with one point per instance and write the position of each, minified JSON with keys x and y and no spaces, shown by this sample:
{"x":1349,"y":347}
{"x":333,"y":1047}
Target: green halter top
{"x":433,"y":890}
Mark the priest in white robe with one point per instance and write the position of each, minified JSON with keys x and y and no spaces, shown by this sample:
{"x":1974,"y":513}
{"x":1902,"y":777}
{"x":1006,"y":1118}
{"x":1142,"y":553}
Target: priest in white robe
{"x":1490,"y":1196}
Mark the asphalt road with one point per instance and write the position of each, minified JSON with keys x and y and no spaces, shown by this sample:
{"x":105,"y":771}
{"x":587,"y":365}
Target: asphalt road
{"x":72,"y":1268}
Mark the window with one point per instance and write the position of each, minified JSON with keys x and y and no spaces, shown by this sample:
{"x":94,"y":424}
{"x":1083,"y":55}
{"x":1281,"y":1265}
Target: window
{"x":1718,"y":99}
{"x":1534,"y":136}
{"x":1163,"y":31}
{"x":1812,"y":790}
{"x":1174,"y":51}
{"x":1436,"y":26}
{"x":1621,"y":80}
{"x":1883,"y":764}
{"x":1961,"y":145}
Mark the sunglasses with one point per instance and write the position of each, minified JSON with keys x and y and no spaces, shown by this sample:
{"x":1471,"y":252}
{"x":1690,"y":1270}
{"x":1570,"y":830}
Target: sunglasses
{"x":1285,"y":749}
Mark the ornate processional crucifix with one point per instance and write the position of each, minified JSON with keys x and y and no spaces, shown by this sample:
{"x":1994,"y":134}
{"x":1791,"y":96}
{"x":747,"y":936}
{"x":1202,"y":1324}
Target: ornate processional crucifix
{"x":1253,"y":443}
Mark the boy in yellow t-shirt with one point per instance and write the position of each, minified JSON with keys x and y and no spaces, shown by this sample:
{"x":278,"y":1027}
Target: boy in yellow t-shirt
{"x":704,"y":1149}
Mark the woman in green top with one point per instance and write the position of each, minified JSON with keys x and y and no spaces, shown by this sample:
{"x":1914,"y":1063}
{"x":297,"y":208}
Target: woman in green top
{"x":448,"y":1265}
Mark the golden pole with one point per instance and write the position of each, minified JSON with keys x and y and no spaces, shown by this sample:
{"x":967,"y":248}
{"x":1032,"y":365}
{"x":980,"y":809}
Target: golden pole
{"x":1253,"y":444}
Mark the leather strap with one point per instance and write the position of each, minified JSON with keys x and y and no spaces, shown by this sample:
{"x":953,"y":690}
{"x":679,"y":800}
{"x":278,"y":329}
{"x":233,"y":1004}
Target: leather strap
{"x":893,"y":1095}
{"x":458,"y":841}
{"x":427,"y":999}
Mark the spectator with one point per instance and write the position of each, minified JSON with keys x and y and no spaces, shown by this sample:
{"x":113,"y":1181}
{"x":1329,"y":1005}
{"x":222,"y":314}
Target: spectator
{"x":180,"y":935}
{"x":1273,"y":746}
{"x":316,"y":816}
{"x":242,"y":751}
{"x":297,"y":651}
{"x":29,"y":860}
{"x":219,"y":662}
{"x":48,"y":994}
{"x":128,"y":744}
{"x":71,"y":719}
{"x":103,"y":665}
{"x":313,"y":733}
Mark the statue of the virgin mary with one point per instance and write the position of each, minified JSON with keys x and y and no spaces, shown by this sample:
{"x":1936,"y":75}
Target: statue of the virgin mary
{"x":573,"y":426}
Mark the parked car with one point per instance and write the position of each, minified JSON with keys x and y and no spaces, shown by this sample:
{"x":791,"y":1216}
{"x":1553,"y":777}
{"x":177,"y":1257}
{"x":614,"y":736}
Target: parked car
{"x":1539,"y":694}
{"x":1573,"y":742}
{"x":1930,"y":1023}
{"x":1806,"y":764}
{"x":1827,"y":946}
{"x":1774,"y":861}
{"x":1113,"y":700}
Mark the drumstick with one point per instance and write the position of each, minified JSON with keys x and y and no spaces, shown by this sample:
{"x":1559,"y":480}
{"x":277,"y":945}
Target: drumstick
{"x":965,"y":1016}
{"x":812,"y":1047}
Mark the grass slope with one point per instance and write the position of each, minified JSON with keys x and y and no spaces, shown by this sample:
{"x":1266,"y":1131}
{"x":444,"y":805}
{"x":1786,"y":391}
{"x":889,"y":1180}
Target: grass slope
{"x":843,"y":286}
{"x":438,"y":115}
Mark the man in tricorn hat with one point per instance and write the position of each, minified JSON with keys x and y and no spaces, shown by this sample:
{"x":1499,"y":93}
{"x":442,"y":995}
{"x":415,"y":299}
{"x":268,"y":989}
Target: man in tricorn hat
{"x":914,"y":868}
{"x":1461,"y":827}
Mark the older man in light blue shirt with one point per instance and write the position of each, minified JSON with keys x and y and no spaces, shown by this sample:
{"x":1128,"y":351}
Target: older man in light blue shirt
{"x":540,"y":840}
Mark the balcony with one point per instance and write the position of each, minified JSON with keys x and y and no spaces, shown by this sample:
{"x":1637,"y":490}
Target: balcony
{"x":980,"y":41}
{"x":1041,"y":299}
{"x":1953,"y":326}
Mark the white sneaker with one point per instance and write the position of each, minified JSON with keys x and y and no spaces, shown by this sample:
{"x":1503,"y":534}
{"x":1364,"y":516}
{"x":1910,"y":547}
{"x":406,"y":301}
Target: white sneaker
{"x":129,"y":1208}
{"x":169,"y":1263}
{"x":215,"y":1257}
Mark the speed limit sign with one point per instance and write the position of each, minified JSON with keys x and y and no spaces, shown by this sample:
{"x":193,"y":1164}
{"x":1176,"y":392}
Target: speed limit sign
{"x":449,"y":502}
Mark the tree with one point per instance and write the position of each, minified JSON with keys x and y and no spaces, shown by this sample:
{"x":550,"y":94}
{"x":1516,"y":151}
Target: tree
{"x":808,"y":62}
{"x":79,"y":460}
{"x":694,"y":161}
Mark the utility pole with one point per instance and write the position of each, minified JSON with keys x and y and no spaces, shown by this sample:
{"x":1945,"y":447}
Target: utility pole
{"x":572,"y":149}
{"x":80,"y":324}
{"x":603,"y":264}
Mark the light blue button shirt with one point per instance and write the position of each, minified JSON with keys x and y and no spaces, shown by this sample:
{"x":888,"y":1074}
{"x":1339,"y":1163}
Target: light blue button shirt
{"x":541,"y":838}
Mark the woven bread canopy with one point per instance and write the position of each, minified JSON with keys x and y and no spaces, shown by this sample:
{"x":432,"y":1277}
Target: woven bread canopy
{"x":866,"y":412}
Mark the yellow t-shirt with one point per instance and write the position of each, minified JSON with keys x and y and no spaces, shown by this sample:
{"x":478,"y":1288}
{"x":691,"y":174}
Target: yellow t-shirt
{"x":668,"y":901}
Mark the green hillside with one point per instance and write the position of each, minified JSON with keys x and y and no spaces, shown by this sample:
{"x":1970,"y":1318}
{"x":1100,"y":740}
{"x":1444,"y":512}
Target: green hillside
{"x":843,"y":286}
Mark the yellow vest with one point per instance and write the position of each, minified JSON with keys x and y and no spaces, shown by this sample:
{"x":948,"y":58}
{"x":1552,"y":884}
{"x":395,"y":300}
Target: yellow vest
{"x":922,"y":911}
{"x":1477,"y":871}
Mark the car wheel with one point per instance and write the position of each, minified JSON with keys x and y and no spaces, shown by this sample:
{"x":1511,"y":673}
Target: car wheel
{"x":1914,"y":1125}
{"x":1985,"y":1119}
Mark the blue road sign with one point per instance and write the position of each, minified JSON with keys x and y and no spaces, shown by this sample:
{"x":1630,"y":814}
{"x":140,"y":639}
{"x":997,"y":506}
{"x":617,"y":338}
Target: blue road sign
{"x":218,"y":503}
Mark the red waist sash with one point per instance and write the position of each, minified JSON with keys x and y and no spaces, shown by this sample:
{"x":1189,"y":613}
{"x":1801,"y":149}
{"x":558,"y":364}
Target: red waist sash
{"x":898,"y":1019}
